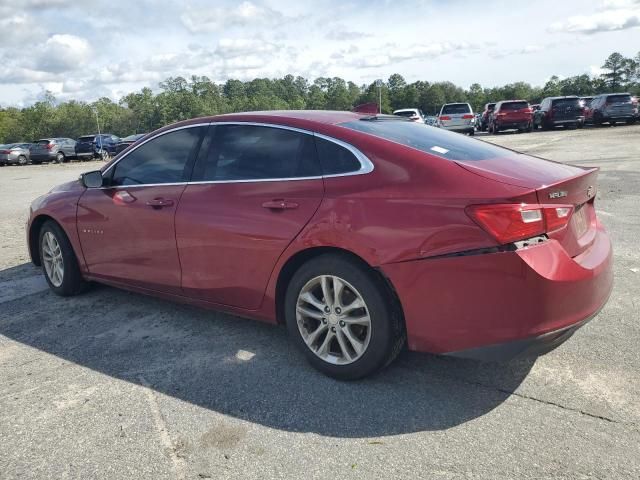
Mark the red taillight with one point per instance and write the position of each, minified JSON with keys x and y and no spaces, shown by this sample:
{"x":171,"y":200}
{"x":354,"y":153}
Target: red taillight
{"x":5,"y":151}
{"x":512,"y":222}
{"x":467,"y":117}
{"x":444,"y":117}
{"x":49,"y":146}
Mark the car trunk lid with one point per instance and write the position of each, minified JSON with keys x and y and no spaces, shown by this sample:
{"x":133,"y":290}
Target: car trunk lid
{"x":554,"y":184}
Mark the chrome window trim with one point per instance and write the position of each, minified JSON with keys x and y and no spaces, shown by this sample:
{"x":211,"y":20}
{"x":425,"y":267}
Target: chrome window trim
{"x":366,"y":166}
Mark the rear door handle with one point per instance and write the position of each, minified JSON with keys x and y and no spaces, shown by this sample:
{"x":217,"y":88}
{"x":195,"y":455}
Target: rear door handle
{"x":160,"y":202}
{"x":280,"y":205}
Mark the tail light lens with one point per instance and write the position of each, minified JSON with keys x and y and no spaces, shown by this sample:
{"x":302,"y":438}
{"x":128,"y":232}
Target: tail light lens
{"x":49,"y":146}
{"x":509,"y":223}
{"x":445,"y":117}
{"x":5,"y":151}
{"x":467,"y":117}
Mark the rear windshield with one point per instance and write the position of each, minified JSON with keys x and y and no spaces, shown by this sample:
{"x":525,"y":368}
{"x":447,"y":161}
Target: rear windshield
{"x":566,"y":102}
{"x":587,"y":101}
{"x":431,"y":140}
{"x":619,"y":99}
{"x":514,"y":105}
{"x":43,"y":142}
{"x":454,"y":108}
{"x":407,"y":113}
{"x":491,"y":106}
{"x":88,"y":138}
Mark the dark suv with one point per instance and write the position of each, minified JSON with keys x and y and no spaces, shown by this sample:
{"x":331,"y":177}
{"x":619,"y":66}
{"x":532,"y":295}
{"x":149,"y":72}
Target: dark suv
{"x":613,"y":107}
{"x":554,"y":111}
{"x":52,"y":150}
{"x":96,"y":146}
{"x":511,"y":114}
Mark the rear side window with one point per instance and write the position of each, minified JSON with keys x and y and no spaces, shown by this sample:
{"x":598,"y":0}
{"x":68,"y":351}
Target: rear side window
{"x":250,"y":152}
{"x":619,"y":99}
{"x":161,"y":160}
{"x":86,"y":139}
{"x":454,"y":108}
{"x":434,"y":141}
{"x":514,"y":106}
{"x":336,"y":159}
{"x":43,"y":142}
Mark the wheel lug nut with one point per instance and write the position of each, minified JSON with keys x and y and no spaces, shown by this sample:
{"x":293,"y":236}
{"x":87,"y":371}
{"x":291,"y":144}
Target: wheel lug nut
{"x":342,"y":324}
{"x":338,"y":310}
{"x":327,"y":309}
{"x":333,"y":329}
{"x":324,"y":320}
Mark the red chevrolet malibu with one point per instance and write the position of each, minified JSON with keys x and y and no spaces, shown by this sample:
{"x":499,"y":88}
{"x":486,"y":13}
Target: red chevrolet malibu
{"x":360,"y":232}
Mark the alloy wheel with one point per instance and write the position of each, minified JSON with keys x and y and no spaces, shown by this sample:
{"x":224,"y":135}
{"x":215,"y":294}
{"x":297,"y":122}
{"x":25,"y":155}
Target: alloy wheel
{"x":52,"y":259}
{"x":333,"y":320}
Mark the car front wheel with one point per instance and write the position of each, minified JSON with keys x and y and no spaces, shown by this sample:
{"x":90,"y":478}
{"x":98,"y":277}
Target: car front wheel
{"x":59,"y":262}
{"x":343,"y":317}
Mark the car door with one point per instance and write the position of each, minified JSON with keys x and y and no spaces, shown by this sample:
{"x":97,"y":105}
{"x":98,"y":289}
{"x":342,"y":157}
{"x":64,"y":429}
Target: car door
{"x":251,"y":194}
{"x":126,"y":228}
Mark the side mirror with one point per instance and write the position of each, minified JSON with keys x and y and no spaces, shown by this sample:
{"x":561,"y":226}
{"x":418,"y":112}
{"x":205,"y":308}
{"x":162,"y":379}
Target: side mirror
{"x":92,"y":179}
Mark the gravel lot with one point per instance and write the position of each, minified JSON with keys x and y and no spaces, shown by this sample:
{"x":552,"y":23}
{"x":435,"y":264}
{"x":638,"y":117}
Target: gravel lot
{"x":117,"y":385}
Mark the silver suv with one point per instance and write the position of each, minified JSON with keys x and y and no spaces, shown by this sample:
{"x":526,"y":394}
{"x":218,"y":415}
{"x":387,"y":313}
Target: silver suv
{"x":457,"y":117}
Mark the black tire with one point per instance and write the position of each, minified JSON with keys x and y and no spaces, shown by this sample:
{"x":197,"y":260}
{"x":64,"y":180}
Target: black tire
{"x":472,"y":133}
{"x":72,"y":281}
{"x":60,"y":157}
{"x":22,"y":160}
{"x":387,"y":331}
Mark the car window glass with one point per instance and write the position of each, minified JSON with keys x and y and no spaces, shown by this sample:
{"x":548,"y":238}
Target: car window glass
{"x":250,"y":152}
{"x":455,"y":108}
{"x":161,"y":160}
{"x":434,"y":141}
{"x":336,"y":159}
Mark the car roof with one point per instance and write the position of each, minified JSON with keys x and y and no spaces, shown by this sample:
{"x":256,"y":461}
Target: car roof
{"x":405,"y":110}
{"x":295,"y":118}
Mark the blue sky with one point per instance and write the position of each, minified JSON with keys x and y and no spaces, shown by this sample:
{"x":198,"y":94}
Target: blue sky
{"x":85,"y":50}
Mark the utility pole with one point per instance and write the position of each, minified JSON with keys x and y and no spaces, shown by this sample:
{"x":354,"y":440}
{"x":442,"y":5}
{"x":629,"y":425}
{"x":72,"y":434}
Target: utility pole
{"x":379,"y":85}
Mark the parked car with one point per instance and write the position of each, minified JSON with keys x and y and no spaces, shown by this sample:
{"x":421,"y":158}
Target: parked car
{"x":483,"y":123}
{"x":14,"y":153}
{"x":612,"y":108}
{"x":333,"y":223}
{"x":509,"y":114}
{"x":563,"y":111}
{"x":414,"y":114}
{"x":102,"y":146}
{"x":587,"y":112}
{"x":57,"y":150}
{"x":431,"y":120}
{"x":127,"y":141}
{"x":457,"y":117}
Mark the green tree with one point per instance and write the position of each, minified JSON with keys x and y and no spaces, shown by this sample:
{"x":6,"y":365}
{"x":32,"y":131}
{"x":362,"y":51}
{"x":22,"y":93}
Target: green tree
{"x":616,"y":67}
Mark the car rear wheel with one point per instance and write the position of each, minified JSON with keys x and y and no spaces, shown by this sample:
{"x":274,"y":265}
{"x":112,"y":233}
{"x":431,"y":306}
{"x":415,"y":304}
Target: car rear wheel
{"x":343,"y":317}
{"x":59,"y":263}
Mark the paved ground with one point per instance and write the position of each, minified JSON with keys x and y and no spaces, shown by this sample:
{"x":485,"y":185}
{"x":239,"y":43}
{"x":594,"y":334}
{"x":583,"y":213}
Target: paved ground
{"x":117,"y":385}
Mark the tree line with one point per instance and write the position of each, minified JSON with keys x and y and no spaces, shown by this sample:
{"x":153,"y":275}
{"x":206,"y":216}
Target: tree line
{"x":179,"y":99}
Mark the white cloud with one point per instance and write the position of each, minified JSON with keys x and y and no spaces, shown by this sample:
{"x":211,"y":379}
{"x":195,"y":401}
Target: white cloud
{"x":211,"y":19}
{"x":63,"y":52}
{"x":612,"y":15}
{"x":238,"y":47}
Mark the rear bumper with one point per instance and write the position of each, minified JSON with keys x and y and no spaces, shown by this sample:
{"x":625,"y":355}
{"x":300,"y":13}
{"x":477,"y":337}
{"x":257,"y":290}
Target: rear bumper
{"x":461,"y":303}
{"x":513,"y":124}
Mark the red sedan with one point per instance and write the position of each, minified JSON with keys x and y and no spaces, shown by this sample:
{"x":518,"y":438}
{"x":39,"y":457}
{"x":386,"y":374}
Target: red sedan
{"x":360,"y":232}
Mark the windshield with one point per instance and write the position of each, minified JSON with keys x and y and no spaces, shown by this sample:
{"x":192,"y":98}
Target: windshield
{"x":88,"y":138}
{"x":566,"y":102}
{"x":431,"y":140}
{"x":406,"y":113}
{"x":514,"y":105}
{"x":454,"y":108}
{"x":619,"y":99}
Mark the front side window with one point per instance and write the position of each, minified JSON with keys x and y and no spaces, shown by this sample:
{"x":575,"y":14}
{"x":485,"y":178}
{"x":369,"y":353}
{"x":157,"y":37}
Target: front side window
{"x":251,"y":152}
{"x":161,"y":160}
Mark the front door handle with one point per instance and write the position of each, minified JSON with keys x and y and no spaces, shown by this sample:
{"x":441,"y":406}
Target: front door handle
{"x":160,"y":202}
{"x":280,"y":204}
